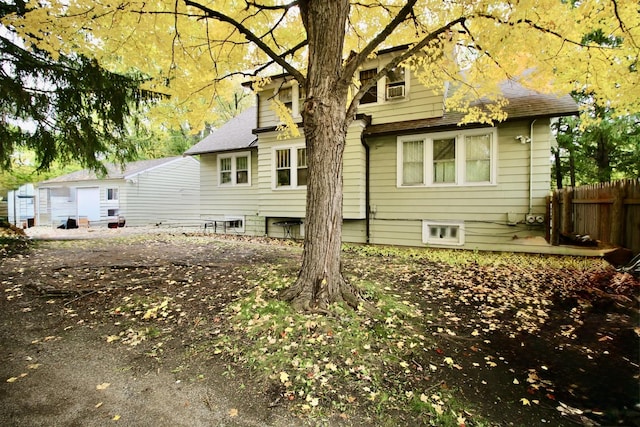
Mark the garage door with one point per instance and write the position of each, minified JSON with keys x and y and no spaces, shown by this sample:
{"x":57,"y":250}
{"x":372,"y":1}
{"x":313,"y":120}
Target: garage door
{"x":88,"y":200}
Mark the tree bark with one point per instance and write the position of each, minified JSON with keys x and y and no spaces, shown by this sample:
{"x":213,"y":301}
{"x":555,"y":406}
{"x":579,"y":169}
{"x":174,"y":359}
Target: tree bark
{"x":320,"y":281}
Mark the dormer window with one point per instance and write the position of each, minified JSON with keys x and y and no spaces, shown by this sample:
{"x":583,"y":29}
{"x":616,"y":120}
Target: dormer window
{"x":285,"y":95}
{"x":371,"y":96}
{"x":396,"y":83}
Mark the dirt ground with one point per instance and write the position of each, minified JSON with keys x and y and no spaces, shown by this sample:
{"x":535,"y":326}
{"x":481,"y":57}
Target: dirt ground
{"x":71,"y":357}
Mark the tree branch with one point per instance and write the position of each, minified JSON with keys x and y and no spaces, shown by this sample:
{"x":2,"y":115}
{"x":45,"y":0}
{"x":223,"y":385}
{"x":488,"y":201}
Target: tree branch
{"x":278,"y":59}
{"x":411,"y":51}
{"x":360,"y":58}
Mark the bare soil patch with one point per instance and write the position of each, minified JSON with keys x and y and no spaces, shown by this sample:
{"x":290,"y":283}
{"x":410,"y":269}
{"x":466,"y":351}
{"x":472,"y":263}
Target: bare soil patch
{"x":116,"y":327}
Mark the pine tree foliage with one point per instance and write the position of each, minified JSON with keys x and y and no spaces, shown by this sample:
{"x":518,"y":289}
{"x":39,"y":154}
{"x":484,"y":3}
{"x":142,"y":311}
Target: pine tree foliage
{"x":68,"y":108}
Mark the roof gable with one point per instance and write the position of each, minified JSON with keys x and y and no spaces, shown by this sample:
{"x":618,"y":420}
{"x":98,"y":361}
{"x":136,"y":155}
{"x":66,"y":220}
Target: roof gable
{"x":115,"y":171}
{"x":236,"y":134}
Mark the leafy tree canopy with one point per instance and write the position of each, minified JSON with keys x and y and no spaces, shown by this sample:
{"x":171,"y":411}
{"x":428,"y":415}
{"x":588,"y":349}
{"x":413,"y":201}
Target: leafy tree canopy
{"x":602,"y":149}
{"x":192,"y":50}
{"x":61,"y":106}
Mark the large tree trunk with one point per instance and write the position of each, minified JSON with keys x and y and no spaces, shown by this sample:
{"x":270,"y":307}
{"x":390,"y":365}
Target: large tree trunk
{"x":320,"y":280}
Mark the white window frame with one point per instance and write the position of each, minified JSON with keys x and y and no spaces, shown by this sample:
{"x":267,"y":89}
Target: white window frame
{"x":293,"y":157}
{"x":382,"y":85}
{"x":296,"y":102}
{"x":235,"y":218}
{"x":445,"y":239}
{"x":405,"y":84}
{"x":234,"y":176}
{"x":460,"y":161}
{"x":114,"y":192}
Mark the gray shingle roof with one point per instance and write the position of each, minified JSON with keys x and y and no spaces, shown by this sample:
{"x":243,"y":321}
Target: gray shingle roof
{"x":114,"y":171}
{"x":236,"y":134}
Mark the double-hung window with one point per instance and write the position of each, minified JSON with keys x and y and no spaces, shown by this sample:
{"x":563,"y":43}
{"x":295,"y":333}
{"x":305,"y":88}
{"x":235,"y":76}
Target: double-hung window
{"x":285,"y":94}
{"x":396,"y":83}
{"x":292,"y":97}
{"x":290,"y":167}
{"x":112,"y":194}
{"x":234,"y":169}
{"x":448,"y":159}
{"x":371,"y":96}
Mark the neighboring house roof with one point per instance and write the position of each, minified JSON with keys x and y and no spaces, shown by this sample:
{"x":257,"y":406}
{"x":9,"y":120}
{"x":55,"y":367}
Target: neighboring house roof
{"x":236,"y":134}
{"x":523,"y":104}
{"x":115,"y":171}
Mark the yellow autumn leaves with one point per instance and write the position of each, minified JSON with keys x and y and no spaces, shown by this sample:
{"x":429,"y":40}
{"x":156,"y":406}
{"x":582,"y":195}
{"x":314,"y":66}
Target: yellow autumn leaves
{"x":196,"y":60}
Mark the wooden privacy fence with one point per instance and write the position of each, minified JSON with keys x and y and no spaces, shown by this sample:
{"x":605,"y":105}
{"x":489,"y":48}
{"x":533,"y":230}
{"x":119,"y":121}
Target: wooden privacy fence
{"x":608,"y":212}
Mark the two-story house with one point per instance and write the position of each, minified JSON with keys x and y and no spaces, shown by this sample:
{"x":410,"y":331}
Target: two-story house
{"x":412,"y":174}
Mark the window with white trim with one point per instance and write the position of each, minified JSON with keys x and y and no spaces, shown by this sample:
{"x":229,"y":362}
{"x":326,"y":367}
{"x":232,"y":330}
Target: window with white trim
{"x":448,"y":159}
{"x":396,"y":86}
{"x":290,"y":167}
{"x":112,"y":194}
{"x":285,"y":95}
{"x":234,"y":169}
{"x":292,"y":97}
{"x":443,"y":233}
{"x":234,"y":224}
{"x":371,"y":96}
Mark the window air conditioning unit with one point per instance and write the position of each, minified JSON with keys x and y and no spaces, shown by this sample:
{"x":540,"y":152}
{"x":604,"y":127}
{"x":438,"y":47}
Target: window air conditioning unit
{"x":394,"y":92}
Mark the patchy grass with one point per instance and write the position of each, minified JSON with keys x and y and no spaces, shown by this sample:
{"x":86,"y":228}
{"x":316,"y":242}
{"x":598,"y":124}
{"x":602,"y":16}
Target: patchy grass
{"x":440,"y":312}
{"x":346,"y":361}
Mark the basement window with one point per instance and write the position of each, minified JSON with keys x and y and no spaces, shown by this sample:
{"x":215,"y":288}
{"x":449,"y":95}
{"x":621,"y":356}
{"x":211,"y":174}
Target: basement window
{"x":443,"y":233}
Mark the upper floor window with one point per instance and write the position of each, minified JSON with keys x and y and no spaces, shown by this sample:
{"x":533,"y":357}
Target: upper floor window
{"x":112,"y":194}
{"x":371,"y":95}
{"x":285,"y":95}
{"x":292,"y":97}
{"x":290,"y":166}
{"x":396,"y":83}
{"x":234,"y":169}
{"x":466,"y":158}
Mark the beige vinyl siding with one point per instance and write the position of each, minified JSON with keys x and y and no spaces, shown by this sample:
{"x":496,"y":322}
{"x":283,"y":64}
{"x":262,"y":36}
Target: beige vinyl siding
{"x":354,"y":231}
{"x":278,"y":202}
{"x":291,"y":203}
{"x":266,"y":114}
{"x":218,"y":202}
{"x":484,"y":209}
{"x":419,"y":102}
{"x":354,"y":174}
{"x":168,"y":194}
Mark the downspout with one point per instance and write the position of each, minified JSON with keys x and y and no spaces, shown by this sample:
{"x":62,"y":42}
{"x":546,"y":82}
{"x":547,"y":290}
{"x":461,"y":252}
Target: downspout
{"x":531,"y":167}
{"x":366,"y":186}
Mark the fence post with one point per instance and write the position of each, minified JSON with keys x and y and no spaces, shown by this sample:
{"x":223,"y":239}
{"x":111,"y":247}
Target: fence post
{"x":547,"y":222}
{"x":567,"y":208}
{"x":617,"y":213}
{"x":555,"y":218}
